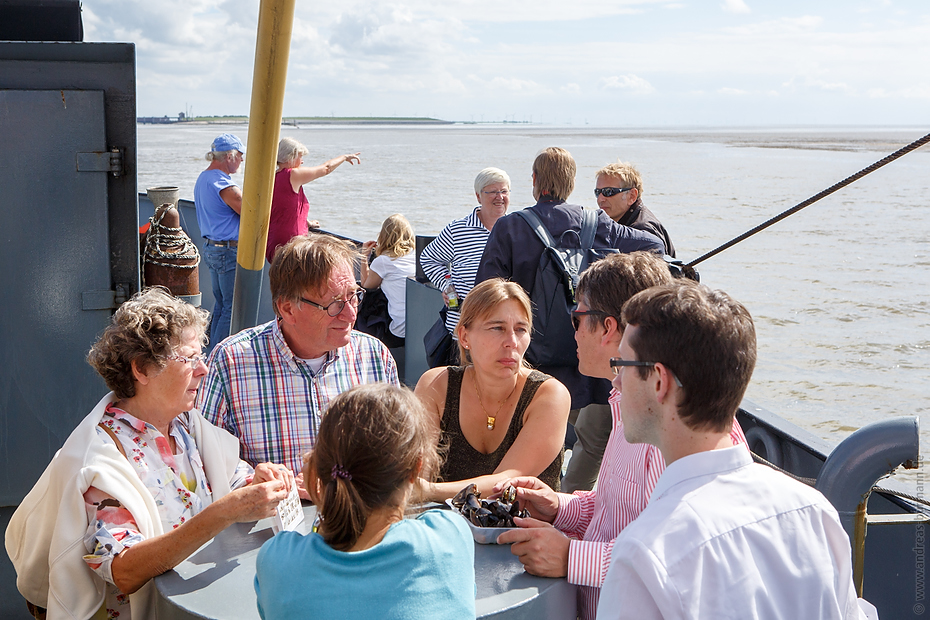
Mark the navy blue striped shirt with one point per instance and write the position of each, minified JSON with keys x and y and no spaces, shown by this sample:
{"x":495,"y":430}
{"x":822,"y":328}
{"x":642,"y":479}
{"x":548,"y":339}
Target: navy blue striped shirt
{"x":462,"y":244}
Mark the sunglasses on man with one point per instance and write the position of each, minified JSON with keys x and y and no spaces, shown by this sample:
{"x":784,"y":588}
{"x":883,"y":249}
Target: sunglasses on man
{"x":607,"y":192}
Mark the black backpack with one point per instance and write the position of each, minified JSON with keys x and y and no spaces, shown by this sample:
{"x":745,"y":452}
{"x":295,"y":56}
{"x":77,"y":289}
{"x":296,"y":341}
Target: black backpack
{"x":554,"y":287}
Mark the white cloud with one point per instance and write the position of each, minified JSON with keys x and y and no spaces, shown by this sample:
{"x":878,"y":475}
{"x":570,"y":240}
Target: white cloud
{"x":912,"y":92}
{"x":391,"y":30}
{"x":633,"y":83}
{"x":511,"y":85}
{"x":494,"y":11}
{"x":873,"y":5}
{"x":808,"y":82}
{"x":735,"y":6}
{"x":777,"y":27}
{"x":542,"y":58}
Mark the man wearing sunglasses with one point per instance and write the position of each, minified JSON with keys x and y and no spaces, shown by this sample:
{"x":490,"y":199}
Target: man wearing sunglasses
{"x":619,"y":193}
{"x":628,"y":472}
{"x":721,"y":537}
{"x":269,"y":384}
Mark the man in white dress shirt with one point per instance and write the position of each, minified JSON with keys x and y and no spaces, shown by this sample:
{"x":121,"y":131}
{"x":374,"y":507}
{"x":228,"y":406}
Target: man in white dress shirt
{"x":721,"y":537}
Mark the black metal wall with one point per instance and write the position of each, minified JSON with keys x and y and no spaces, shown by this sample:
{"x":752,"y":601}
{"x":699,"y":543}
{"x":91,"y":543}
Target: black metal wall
{"x":68,"y":245}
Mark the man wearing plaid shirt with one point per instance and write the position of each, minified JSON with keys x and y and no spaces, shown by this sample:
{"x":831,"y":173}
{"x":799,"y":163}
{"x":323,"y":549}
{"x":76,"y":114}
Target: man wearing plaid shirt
{"x":269,"y":384}
{"x":580,"y":544}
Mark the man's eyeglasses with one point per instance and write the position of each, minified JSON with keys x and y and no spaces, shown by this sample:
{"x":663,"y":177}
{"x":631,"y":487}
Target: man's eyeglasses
{"x":607,"y":192}
{"x":501,"y":192}
{"x":616,"y":363}
{"x":577,"y":314}
{"x":193,"y":360}
{"x":336,"y":306}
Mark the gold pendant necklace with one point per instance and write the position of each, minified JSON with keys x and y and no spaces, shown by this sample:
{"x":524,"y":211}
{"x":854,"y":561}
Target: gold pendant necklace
{"x":492,"y":419}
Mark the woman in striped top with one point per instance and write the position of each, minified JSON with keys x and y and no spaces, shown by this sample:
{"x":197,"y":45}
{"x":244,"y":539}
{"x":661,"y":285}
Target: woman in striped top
{"x":458,"y":248}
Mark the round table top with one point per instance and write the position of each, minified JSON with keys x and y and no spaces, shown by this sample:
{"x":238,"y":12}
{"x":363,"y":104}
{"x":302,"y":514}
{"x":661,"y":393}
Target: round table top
{"x":217,"y":581}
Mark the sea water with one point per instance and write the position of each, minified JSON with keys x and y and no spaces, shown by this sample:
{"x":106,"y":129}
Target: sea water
{"x":839,"y":291}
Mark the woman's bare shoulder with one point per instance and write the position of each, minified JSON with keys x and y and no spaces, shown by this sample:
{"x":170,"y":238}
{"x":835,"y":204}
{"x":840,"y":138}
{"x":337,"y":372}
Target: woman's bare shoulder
{"x":432,"y":386}
{"x":433,"y":376}
{"x":552,"y":393}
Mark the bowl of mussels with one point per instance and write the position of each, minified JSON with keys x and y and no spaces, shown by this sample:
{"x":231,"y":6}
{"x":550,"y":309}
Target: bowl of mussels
{"x":487,"y":518}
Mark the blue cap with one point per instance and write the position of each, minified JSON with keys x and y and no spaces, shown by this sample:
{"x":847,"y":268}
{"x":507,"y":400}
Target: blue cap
{"x":227,"y":142}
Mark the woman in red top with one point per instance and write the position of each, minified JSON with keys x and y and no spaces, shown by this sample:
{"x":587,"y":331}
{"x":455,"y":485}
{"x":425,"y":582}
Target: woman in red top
{"x":289,"y":206}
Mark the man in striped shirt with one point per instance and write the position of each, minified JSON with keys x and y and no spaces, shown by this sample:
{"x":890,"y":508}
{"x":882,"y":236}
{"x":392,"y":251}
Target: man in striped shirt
{"x":580,"y":544}
{"x":269,"y":384}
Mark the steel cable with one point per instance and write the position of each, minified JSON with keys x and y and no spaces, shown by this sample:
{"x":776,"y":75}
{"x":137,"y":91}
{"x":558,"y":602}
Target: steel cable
{"x":887,"y":160}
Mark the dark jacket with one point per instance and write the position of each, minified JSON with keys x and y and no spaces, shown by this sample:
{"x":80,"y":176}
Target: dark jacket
{"x":513,"y":251}
{"x":641,"y":218}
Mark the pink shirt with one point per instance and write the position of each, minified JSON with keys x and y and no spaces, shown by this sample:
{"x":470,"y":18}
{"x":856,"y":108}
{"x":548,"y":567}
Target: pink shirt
{"x":628,"y":475}
{"x":289,"y":211}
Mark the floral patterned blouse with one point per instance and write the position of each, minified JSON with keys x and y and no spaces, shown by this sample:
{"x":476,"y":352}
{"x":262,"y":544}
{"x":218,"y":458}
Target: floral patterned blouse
{"x":176,"y":480}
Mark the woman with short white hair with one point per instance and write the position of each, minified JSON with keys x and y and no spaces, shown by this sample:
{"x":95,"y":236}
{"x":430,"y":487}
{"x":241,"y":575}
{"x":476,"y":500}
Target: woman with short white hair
{"x":458,"y":248}
{"x":289,"y":204}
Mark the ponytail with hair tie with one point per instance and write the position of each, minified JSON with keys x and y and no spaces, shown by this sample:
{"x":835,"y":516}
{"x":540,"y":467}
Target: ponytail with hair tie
{"x":339,"y":471}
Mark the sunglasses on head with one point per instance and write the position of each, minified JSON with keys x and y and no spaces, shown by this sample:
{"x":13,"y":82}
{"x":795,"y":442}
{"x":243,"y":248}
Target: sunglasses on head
{"x":607,"y":192}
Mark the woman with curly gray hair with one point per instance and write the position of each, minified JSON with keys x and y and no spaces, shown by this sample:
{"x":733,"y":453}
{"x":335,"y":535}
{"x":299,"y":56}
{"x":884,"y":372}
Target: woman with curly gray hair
{"x":143,"y":481}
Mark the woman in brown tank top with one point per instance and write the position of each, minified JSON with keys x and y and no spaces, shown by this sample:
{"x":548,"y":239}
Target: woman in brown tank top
{"x":499,"y":418}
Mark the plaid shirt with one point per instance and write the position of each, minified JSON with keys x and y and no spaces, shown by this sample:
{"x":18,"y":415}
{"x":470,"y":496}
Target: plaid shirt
{"x":272,"y":401}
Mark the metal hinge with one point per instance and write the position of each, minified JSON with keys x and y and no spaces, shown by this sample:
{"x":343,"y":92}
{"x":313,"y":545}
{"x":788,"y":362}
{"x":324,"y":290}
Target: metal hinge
{"x":101,"y":161}
{"x":104,"y":300}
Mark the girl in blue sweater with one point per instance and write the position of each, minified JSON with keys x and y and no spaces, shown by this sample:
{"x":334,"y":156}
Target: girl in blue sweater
{"x":367,"y":560}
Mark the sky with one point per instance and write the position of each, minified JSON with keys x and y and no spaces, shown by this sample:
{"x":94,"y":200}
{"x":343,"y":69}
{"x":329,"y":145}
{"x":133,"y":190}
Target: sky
{"x":621,"y":63}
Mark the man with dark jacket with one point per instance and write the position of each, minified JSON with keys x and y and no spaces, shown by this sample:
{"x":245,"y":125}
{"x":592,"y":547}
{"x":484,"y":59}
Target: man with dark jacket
{"x":619,"y":193}
{"x":513,"y":251}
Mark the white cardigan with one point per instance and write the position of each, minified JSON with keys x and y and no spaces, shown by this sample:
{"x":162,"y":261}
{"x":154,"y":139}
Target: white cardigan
{"x":45,"y":537}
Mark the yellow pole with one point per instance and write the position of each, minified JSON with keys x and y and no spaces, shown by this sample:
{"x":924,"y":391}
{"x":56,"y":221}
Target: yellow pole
{"x":858,"y":541}
{"x":272,"y":48}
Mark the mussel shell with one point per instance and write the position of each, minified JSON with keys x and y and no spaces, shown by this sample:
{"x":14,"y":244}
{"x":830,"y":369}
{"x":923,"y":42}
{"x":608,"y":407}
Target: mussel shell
{"x":509,"y":495}
{"x":462,"y":496}
{"x":479,"y":517}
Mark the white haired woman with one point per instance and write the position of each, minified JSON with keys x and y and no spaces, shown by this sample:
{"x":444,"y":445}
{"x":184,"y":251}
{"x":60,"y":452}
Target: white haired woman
{"x":458,"y":248}
{"x":143,"y":481}
{"x":289,"y":205}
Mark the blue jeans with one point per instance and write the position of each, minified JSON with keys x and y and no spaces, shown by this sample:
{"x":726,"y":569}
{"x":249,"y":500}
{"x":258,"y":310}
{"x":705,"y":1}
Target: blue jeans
{"x":222,"y":264}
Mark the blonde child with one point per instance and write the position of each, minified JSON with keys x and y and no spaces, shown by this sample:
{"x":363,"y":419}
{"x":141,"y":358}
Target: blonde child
{"x":394,"y":262}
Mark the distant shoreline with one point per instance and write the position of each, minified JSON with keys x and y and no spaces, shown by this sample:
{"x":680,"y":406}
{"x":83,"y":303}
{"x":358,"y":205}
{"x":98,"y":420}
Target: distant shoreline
{"x":294,"y":121}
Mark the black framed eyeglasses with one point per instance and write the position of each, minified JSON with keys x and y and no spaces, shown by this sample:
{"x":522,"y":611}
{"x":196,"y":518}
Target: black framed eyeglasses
{"x":616,"y":363}
{"x":607,"y":192}
{"x":336,"y":306}
{"x":577,"y":314}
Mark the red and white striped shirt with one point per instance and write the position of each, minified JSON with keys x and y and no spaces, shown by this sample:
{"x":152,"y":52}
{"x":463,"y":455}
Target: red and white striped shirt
{"x":628,"y":475}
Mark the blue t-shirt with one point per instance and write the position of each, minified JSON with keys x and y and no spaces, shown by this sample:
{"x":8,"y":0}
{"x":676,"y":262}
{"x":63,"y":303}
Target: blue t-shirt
{"x":423,"y":569}
{"x":216,"y":219}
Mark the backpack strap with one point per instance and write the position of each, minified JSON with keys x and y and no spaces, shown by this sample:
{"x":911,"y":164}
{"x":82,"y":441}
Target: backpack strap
{"x":569,"y":276}
{"x":536,"y":224}
{"x":588,"y":228}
